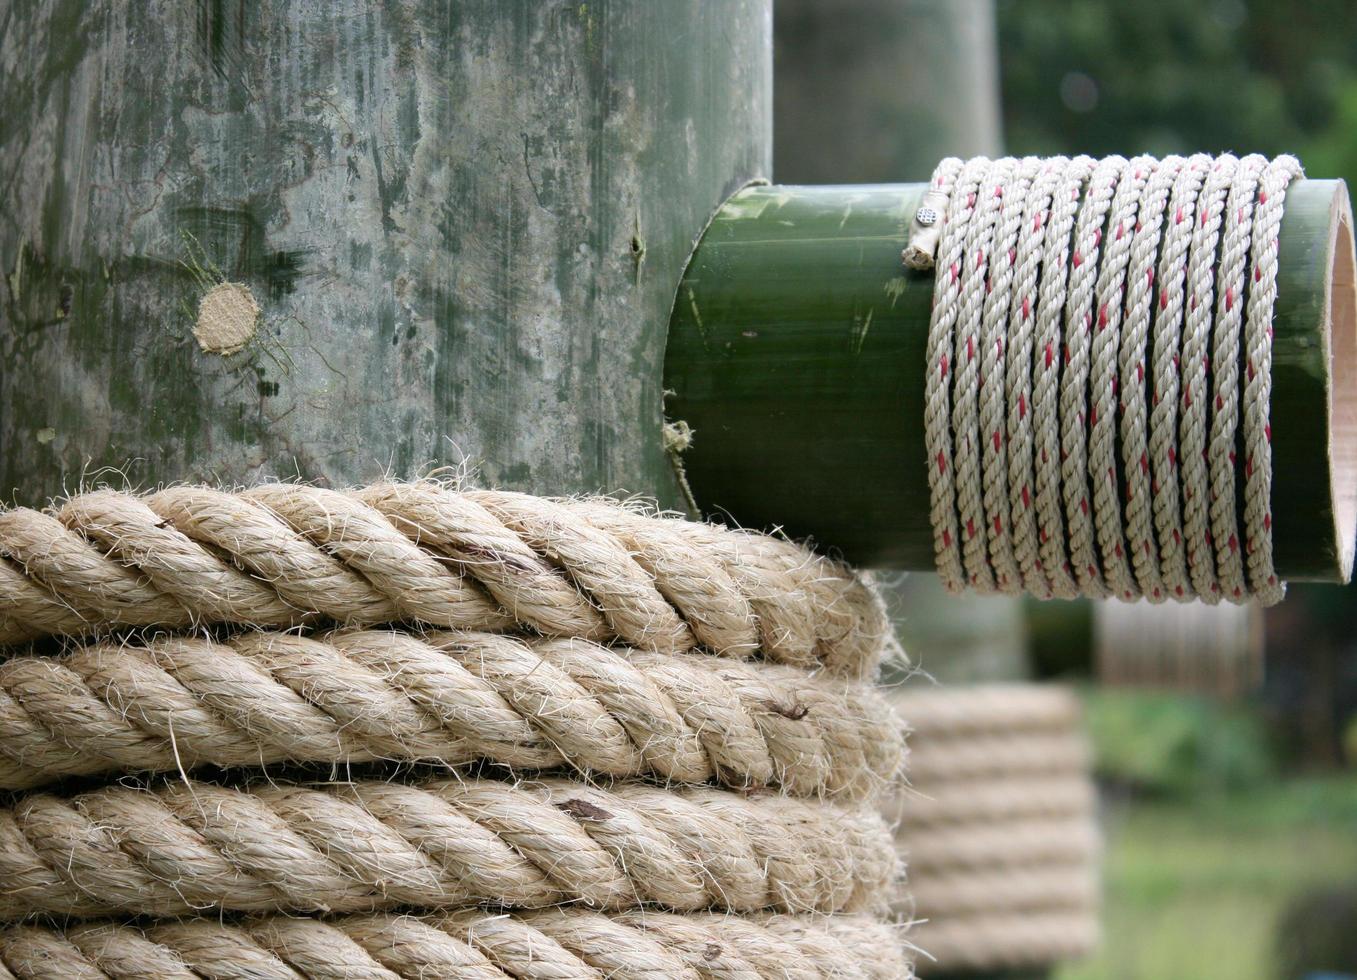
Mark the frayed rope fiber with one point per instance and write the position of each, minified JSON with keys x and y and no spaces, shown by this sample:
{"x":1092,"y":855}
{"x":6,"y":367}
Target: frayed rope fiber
{"x":190,"y":847}
{"x":453,"y":697}
{"x":469,"y":945}
{"x":280,"y":555}
{"x":1100,"y":374}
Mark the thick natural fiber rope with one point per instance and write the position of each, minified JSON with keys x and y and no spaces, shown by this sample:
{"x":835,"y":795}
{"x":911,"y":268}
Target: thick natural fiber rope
{"x":998,"y":824}
{"x":1143,"y":513}
{"x":1004,"y":940}
{"x":192,"y":846}
{"x":280,"y":554}
{"x":470,"y":945}
{"x":263,"y":698}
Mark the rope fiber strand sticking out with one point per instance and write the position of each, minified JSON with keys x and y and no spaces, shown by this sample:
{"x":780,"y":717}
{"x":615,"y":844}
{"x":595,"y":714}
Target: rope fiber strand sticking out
{"x":1099,"y":374}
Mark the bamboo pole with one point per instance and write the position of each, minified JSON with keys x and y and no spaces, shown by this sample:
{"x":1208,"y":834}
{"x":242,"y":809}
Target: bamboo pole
{"x":450,"y":233}
{"x":796,"y":355}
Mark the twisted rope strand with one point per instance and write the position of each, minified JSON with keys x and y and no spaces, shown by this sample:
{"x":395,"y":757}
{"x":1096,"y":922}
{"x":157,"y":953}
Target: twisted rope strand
{"x":263,"y":698}
{"x":1074,"y":379}
{"x":1041,"y":887}
{"x":1132,"y":384}
{"x":1193,"y":418}
{"x":994,"y":390}
{"x":969,"y":336}
{"x":1111,"y":294}
{"x":470,"y":945}
{"x":1165,"y":375}
{"x":997,"y":941}
{"x":1232,"y":280}
{"x":1267,"y":224}
{"x":1022,"y":502}
{"x":281,"y":554}
{"x":1056,"y":560}
{"x":941,"y":364}
{"x":364,"y":846}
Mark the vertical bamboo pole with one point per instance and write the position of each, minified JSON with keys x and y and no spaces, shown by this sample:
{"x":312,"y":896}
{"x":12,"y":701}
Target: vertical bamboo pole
{"x":462,"y":225}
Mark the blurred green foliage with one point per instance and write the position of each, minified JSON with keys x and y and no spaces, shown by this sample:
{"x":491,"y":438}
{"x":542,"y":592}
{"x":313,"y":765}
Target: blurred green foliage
{"x":1172,"y":745}
{"x":1198,"y":890}
{"x":1163,"y":76}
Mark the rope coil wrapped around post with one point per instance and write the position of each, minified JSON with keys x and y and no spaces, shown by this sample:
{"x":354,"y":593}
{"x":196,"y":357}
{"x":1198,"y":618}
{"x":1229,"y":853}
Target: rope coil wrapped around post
{"x":1120,"y":310}
{"x":712,"y":681}
{"x":998,"y":827}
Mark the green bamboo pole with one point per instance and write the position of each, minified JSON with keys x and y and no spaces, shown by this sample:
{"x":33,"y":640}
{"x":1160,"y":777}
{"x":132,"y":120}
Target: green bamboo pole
{"x":796,"y":355}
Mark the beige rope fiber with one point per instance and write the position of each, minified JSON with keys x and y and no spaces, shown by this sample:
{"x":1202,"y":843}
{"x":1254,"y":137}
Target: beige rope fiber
{"x":191,"y":846}
{"x":282,"y":554}
{"x":1099,"y":350}
{"x":262,"y":698}
{"x":998,"y":827}
{"x":469,"y":945}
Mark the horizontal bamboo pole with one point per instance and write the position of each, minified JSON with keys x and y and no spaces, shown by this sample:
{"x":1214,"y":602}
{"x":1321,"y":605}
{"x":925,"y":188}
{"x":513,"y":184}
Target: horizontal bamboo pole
{"x":796,"y":355}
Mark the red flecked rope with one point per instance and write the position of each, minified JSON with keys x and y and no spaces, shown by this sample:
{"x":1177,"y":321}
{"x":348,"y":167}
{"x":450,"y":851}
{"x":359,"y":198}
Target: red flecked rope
{"x":1074,"y":446}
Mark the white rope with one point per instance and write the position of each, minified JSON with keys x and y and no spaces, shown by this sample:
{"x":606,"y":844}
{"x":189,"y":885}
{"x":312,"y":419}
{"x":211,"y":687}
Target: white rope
{"x":959,"y":182}
{"x":1135,"y":450}
{"x":1267,"y":223}
{"x":994,"y":390}
{"x":1022,"y":318}
{"x":1168,"y":331}
{"x":1083,"y":416}
{"x":1048,"y":355}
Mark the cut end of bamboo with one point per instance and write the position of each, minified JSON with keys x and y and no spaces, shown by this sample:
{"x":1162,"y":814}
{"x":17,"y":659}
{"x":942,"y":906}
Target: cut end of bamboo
{"x":1341,"y":333}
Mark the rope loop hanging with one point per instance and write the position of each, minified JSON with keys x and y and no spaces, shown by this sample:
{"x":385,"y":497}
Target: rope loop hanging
{"x":1100,"y":372}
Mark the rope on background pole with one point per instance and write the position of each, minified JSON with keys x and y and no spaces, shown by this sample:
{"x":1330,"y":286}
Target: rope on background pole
{"x":1116,"y":314}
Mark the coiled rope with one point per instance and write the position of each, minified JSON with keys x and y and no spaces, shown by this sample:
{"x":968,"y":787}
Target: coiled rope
{"x":263,"y":698}
{"x":281,"y":555}
{"x":470,"y":945}
{"x":1100,"y":357}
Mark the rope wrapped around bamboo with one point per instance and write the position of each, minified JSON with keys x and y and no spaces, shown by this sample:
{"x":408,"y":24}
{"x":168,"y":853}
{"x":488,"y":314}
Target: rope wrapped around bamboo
{"x":998,"y":827}
{"x":189,"y":846}
{"x":280,"y":555}
{"x":262,"y":698}
{"x":469,"y":945}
